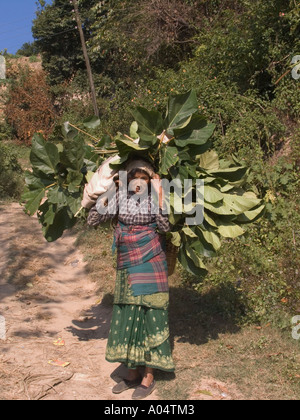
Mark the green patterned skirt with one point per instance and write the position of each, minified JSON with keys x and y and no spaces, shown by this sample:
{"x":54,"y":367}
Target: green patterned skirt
{"x":139,"y":333}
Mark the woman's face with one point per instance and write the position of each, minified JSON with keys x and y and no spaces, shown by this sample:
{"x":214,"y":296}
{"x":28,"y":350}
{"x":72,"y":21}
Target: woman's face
{"x":139,"y":183}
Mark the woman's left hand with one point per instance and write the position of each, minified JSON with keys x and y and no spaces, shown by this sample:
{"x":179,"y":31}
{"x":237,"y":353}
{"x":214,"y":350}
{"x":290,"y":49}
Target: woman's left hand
{"x":156,"y":183}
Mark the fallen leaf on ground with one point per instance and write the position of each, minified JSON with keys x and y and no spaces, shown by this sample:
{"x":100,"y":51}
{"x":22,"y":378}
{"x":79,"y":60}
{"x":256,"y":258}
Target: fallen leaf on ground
{"x":58,"y":363}
{"x":59,"y":342}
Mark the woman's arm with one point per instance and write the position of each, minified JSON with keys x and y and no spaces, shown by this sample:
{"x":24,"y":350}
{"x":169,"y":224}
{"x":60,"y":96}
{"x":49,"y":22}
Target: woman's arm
{"x":94,"y":218}
{"x":163,"y":223}
{"x":161,"y":219}
{"x":106,"y":212}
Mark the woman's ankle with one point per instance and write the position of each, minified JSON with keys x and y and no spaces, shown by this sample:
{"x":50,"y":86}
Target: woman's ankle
{"x":132,"y":375}
{"x":148,"y":377}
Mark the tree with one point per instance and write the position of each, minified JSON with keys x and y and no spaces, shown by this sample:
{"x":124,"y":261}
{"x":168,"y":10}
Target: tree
{"x":131,"y":36}
{"x":57,"y":38}
{"x":28,"y":49}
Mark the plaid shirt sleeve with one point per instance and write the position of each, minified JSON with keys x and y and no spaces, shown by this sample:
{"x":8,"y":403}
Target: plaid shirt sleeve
{"x":93,"y":217}
{"x":109,"y":212}
{"x":163,"y":223}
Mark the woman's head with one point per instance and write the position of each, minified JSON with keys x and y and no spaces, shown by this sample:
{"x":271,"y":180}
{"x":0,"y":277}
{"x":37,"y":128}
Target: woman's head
{"x":141,"y":164}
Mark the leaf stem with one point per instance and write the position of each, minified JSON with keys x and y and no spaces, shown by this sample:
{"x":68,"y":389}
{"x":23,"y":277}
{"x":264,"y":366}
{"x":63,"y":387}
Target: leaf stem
{"x":105,"y":152}
{"x":77,"y":214}
{"x":162,"y":139}
{"x":84,"y":132}
{"x":50,"y":186}
{"x":129,"y":138}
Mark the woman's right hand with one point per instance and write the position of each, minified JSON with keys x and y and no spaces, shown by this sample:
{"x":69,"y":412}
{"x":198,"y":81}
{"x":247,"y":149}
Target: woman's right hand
{"x":156,"y":183}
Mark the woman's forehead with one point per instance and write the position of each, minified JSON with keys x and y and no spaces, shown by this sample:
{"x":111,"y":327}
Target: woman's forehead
{"x":140,"y":174}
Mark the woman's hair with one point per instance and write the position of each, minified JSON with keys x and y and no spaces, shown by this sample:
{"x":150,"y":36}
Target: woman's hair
{"x":133,"y":173}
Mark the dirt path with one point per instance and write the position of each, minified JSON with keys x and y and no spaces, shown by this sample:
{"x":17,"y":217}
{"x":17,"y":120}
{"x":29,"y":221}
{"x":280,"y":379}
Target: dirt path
{"x":46,"y":295}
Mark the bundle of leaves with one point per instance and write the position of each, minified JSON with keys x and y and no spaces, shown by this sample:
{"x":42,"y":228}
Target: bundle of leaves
{"x":178,"y":144}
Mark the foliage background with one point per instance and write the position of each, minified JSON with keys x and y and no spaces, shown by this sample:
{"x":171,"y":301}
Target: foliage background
{"x":233,"y":54}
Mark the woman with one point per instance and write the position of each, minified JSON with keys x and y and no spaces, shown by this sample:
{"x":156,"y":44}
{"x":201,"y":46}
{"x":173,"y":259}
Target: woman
{"x":139,"y":334}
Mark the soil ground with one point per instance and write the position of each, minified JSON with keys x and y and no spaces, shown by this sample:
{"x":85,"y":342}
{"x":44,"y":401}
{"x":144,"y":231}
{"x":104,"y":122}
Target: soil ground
{"x":46,"y":295}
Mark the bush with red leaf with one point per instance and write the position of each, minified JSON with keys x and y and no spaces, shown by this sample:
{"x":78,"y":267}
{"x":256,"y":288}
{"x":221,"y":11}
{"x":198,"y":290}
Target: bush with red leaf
{"x":29,"y":106}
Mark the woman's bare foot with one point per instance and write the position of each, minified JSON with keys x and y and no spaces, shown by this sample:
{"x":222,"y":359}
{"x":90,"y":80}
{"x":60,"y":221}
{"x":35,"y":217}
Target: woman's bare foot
{"x":148,"y":377}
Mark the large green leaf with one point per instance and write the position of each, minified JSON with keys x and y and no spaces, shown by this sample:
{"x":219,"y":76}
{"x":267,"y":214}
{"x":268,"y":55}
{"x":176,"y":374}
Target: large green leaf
{"x":169,"y":157}
{"x":189,"y":259}
{"x":189,"y":232}
{"x":230,"y":174}
{"x":211,"y":221}
{"x":200,"y":245}
{"x":74,"y":203}
{"x":230,"y":230}
{"x":220,"y":208}
{"x":180,"y":110}
{"x":74,"y":179}
{"x":57,"y":195}
{"x":33,"y":200}
{"x":46,"y":214}
{"x":210,"y":237}
{"x":58,"y":217}
{"x":36,"y":182}
{"x":212,"y":194}
{"x":175,"y":238}
{"x":251,"y":215}
{"x":73,"y":154}
{"x":92,"y":122}
{"x":68,"y":131}
{"x":196,"y":133}
{"x":127,"y":146}
{"x":150,"y":125}
{"x":61,"y":221}
{"x":240,"y":204}
{"x":195,"y":257}
{"x":134,"y":130}
{"x":44,"y":156}
{"x":105,"y":142}
{"x":203,"y":248}
{"x":209,"y":160}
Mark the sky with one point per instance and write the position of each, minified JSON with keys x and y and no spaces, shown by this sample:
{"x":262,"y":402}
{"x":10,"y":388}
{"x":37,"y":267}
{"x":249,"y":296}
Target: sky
{"x":16,"y":18}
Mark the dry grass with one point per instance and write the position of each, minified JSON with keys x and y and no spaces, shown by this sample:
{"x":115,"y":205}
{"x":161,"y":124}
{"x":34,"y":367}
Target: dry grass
{"x":250,"y":364}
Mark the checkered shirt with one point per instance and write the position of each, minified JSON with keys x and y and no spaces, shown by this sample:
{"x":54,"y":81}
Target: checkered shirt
{"x":130,"y":211}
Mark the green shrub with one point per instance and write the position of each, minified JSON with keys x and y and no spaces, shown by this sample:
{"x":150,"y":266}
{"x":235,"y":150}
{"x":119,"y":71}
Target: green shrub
{"x":6,"y":131}
{"x":11,"y":180}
